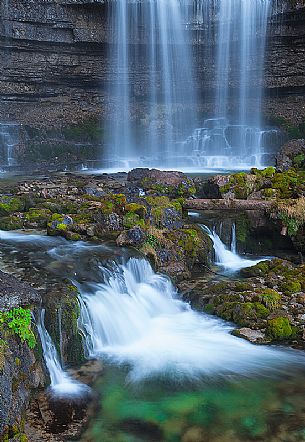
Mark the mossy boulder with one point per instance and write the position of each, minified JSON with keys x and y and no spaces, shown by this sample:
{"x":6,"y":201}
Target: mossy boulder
{"x":59,"y":224}
{"x":61,"y":321}
{"x":242,"y":313}
{"x":279,"y":329}
{"x":37,"y":217}
{"x":290,"y":287}
{"x":11,"y":222}
{"x":164,"y":213}
{"x":10,"y":204}
{"x":270,"y":298}
{"x":260,"y":269}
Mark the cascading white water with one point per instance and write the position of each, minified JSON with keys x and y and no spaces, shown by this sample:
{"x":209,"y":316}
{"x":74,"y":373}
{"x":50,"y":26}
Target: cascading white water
{"x":135,"y":317}
{"x":226,"y":258}
{"x":9,"y":140}
{"x":61,"y":382}
{"x":152,"y":61}
{"x":233,"y":239}
{"x":149,"y":52}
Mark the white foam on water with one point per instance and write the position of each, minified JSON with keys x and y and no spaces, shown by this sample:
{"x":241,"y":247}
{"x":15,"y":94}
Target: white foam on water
{"x":135,"y":317}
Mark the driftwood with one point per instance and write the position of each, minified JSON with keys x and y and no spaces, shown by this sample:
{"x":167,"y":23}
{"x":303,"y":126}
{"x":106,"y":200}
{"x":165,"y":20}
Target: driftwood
{"x":226,"y":204}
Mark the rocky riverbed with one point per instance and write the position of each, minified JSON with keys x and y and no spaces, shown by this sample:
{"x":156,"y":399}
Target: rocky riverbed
{"x":147,"y":211}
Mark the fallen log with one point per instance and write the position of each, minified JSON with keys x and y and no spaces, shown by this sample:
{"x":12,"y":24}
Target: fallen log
{"x":226,"y":204}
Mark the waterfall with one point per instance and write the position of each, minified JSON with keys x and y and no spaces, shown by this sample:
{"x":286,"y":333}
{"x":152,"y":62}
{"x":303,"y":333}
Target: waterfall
{"x":134,"y":316}
{"x":61,"y":383}
{"x":226,"y":258}
{"x":233,"y":239}
{"x":150,"y":54}
{"x":9,"y":140}
{"x":155,"y":99}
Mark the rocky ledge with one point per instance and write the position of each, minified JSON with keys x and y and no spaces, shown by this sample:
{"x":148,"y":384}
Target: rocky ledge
{"x":268,"y":303}
{"x":21,"y":369}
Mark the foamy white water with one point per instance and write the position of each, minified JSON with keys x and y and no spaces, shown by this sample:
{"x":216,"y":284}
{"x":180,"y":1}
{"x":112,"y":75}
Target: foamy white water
{"x":226,"y":258}
{"x":136,"y":317}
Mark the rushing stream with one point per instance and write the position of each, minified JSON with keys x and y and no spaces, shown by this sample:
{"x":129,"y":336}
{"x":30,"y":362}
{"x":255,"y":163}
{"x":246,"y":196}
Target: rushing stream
{"x":170,"y":371}
{"x":227,"y":258}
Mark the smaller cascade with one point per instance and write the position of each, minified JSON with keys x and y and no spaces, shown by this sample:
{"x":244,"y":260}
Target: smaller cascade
{"x":61,"y":383}
{"x":226,"y":258}
{"x":9,"y":140}
{"x":218,"y":145}
{"x":233,"y":239}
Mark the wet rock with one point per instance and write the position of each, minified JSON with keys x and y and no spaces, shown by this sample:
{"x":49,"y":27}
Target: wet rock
{"x":292,"y":154}
{"x":255,"y":336}
{"x":134,"y":237}
{"x":14,"y":294}
{"x":172,"y":219}
{"x":153,"y":176}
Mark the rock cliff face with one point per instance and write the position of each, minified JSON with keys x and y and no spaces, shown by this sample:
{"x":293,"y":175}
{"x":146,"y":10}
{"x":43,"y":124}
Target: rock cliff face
{"x":55,"y":64}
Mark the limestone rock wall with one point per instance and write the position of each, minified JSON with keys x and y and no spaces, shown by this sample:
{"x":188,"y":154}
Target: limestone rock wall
{"x":55,"y":66}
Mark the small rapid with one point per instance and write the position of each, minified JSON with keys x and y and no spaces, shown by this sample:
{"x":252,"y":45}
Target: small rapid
{"x":227,"y":258}
{"x":135,"y":317}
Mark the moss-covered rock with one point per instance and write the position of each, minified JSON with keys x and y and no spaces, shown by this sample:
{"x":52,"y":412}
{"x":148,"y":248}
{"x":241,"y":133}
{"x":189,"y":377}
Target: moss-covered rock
{"x":279,"y":329}
{"x":259,"y":269}
{"x":37,"y":217}
{"x":61,"y":321}
{"x":11,"y":222}
{"x":10,"y":204}
{"x":270,"y":298}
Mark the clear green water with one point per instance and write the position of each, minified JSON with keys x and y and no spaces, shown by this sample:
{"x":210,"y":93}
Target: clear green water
{"x":256,"y":409}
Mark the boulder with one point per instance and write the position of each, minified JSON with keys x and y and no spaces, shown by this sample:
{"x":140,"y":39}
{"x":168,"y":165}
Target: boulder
{"x":14,"y":294}
{"x":254,"y":336}
{"x":167,"y":178}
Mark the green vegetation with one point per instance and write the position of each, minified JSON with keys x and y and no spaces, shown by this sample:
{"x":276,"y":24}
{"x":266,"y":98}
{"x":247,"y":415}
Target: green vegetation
{"x":270,"y":298}
{"x":18,"y":321}
{"x":279,"y":329}
{"x":10,"y":205}
{"x":152,"y":241}
{"x":131,"y":219}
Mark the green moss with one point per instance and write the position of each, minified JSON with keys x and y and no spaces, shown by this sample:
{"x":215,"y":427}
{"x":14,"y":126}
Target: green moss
{"x":242,"y":228}
{"x":158,"y":201}
{"x":61,"y":227}
{"x":270,"y":298}
{"x":290,"y":287}
{"x":57,"y":217}
{"x":11,"y":223}
{"x":261,"y":311}
{"x":131,"y":219}
{"x":268,"y":172}
{"x":139,"y":209}
{"x":242,"y":313}
{"x":269,"y":193}
{"x":279,"y":329}
{"x":260,"y":269}
{"x":209,"y":308}
{"x":289,"y":183}
{"x":299,"y":161}
{"x":152,"y":241}
{"x":189,"y":241}
{"x":10,"y":205}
